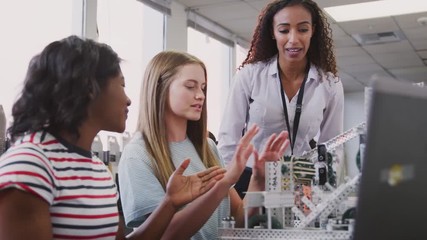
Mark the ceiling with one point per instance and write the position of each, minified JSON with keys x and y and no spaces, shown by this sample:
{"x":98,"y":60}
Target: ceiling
{"x":404,"y":58}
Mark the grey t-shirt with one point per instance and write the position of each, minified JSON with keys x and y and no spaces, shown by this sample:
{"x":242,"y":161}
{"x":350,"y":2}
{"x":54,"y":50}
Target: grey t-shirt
{"x":141,"y":192}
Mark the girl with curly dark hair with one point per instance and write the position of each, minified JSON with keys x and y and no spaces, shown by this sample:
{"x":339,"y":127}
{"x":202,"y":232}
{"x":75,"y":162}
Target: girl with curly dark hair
{"x":287,"y":81}
{"x":51,"y":187}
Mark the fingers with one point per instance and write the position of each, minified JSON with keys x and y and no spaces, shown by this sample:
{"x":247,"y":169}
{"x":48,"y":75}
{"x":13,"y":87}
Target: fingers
{"x":207,"y":171}
{"x":256,"y":157}
{"x":258,"y":168}
{"x":275,"y":141}
{"x":219,"y":176}
{"x":183,"y":166}
{"x":211,"y":178}
{"x":269,"y":144}
{"x":247,"y":151}
{"x":241,"y":155}
{"x":245,"y":148}
{"x":280,"y":144}
{"x":211,"y":173}
{"x":283,"y":147}
{"x":275,"y":147}
{"x":247,"y":138}
{"x":278,"y":141}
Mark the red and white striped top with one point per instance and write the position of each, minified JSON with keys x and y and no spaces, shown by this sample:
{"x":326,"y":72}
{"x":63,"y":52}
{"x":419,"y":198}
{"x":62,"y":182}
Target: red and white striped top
{"x":78,"y":187}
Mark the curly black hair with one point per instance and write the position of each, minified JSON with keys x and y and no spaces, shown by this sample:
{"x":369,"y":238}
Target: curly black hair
{"x":59,"y":85}
{"x":263,"y":47}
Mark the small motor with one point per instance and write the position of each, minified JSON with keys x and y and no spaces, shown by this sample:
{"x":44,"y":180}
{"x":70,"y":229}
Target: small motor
{"x":321,"y":165}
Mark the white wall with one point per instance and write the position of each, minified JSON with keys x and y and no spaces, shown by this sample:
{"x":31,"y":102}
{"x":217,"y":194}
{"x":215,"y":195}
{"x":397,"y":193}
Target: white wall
{"x":354,"y":113}
{"x":176,"y":28}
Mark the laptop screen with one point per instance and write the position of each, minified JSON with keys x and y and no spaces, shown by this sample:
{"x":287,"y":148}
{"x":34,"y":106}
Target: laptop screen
{"x":392,"y":201}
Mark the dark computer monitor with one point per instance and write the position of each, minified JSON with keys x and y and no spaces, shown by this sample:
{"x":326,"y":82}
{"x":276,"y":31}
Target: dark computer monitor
{"x":392,"y":202}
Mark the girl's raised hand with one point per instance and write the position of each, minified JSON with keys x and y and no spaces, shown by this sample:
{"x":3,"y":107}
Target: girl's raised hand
{"x":274,"y":149}
{"x":243,"y":152}
{"x":183,"y":189}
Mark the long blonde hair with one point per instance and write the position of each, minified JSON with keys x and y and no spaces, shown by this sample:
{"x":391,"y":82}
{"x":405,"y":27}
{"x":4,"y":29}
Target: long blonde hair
{"x":158,"y":76}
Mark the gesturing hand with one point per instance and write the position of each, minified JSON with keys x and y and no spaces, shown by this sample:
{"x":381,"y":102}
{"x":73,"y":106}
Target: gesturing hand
{"x":184,"y":189}
{"x":243,"y":151}
{"x":273,"y":150}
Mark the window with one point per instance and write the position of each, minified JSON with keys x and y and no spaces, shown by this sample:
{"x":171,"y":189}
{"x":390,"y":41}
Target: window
{"x":136,"y":32}
{"x":241,"y":54}
{"x":217,"y":58}
{"x":26,"y":28}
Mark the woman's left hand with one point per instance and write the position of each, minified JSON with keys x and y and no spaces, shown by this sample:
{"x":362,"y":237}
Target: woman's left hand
{"x":274,"y":149}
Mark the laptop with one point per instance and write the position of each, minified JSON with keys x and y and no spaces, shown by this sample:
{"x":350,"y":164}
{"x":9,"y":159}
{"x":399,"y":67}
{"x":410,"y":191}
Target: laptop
{"x":392,"y":202}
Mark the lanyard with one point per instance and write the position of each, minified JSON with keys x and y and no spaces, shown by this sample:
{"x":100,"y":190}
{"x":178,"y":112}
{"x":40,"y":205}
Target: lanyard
{"x":298,"y":109}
